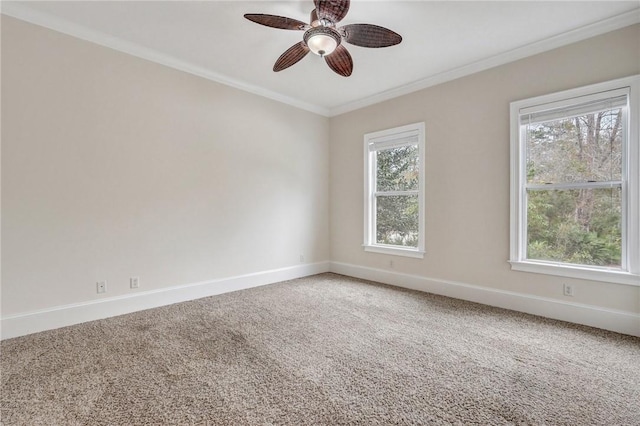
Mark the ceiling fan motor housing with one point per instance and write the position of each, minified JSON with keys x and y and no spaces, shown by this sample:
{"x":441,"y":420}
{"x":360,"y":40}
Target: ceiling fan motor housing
{"x":322,"y":40}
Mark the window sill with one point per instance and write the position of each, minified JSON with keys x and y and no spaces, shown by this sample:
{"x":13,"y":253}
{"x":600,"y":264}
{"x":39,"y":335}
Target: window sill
{"x":592,"y":274}
{"x":394,"y":251}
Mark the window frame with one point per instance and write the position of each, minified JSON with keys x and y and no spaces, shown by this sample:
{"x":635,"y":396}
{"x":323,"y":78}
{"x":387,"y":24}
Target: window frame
{"x":408,"y":133}
{"x":629,"y":273}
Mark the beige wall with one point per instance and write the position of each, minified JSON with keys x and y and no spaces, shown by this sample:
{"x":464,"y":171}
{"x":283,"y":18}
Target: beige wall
{"x":114,"y":167}
{"x":467,"y":169}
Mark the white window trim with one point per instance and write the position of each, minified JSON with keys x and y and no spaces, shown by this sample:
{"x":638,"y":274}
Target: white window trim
{"x":631,"y":188}
{"x":389,"y":135}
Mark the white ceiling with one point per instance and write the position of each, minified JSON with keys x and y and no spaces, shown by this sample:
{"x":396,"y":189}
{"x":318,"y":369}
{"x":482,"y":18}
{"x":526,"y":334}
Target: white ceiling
{"x":442,"y":40}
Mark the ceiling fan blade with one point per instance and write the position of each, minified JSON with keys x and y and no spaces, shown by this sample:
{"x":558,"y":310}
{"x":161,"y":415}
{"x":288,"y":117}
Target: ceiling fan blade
{"x":340,"y":61}
{"x":332,"y":10}
{"x":291,"y":56}
{"x":275,"y":21}
{"x":368,"y":35}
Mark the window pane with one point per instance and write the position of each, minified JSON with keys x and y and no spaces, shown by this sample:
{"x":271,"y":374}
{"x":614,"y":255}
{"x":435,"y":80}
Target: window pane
{"x":579,"y":149}
{"x":581,"y":226}
{"x":397,"y":220}
{"x":397,"y":169}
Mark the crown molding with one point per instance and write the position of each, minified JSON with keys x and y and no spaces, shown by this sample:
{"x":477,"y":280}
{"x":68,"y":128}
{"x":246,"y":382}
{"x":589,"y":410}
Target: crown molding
{"x":573,"y":36}
{"x":24,"y":13}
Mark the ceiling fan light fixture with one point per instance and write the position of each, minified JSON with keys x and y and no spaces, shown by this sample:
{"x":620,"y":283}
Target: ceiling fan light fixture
{"x":322,"y":40}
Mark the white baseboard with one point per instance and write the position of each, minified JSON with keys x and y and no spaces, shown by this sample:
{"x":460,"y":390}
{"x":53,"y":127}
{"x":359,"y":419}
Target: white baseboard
{"x":594,"y":316}
{"x":62,"y":316}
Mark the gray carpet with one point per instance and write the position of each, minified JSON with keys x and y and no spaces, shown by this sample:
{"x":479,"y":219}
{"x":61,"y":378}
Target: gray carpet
{"x":322,"y":350}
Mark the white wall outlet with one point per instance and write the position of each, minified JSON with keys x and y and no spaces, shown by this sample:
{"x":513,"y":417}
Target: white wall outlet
{"x":134,"y":282}
{"x":391,"y":263}
{"x":568,"y":290}
{"x":301,"y":258}
{"x":101,"y":286}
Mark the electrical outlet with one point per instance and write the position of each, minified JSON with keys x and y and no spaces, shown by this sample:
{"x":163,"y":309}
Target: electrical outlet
{"x":391,"y":264}
{"x":134,"y":282}
{"x":568,"y":290}
{"x":101,"y":286}
{"x":301,"y":258}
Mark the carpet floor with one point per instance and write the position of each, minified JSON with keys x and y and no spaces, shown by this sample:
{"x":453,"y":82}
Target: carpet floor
{"x":327,"y":350}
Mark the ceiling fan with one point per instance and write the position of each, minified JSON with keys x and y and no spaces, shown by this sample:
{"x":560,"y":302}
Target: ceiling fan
{"x":323,"y":38}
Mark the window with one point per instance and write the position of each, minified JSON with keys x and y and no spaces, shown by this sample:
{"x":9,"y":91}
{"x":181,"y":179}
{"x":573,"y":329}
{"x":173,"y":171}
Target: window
{"x":394,"y":191}
{"x":575,"y":189}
